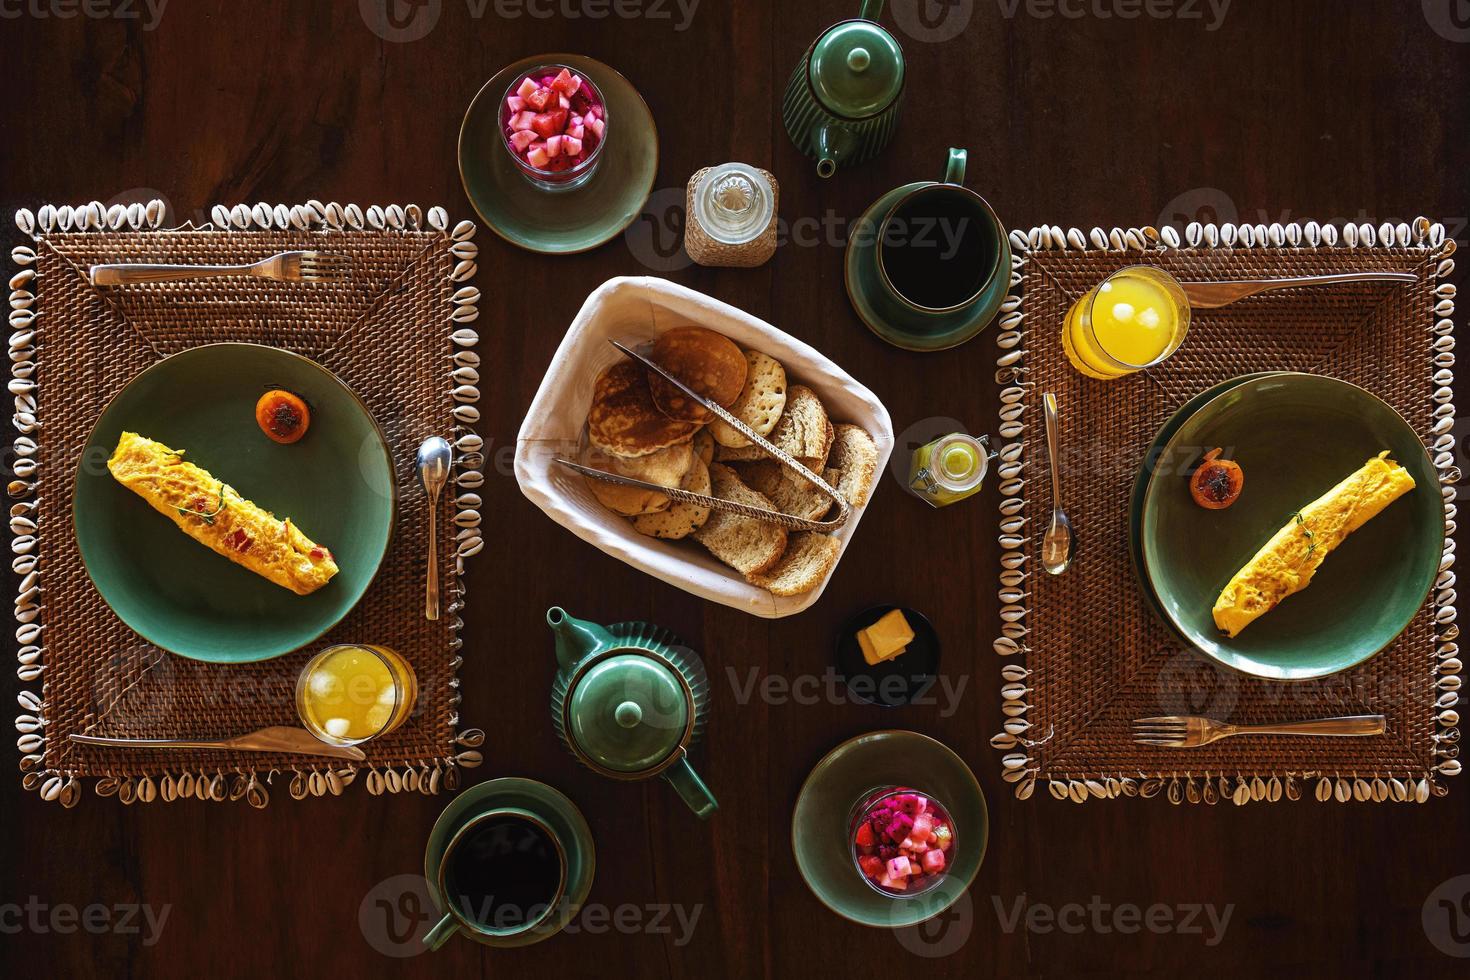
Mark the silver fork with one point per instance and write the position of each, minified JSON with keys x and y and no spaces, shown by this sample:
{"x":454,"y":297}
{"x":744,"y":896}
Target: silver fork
{"x":1192,"y":731}
{"x":288,"y":266}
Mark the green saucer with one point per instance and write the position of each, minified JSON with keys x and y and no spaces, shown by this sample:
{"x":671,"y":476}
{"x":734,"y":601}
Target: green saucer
{"x":819,"y":824}
{"x":1295,"y":436}
{"x":559,"y":813}
{"x":560,"y":222}
{"x":896,"y":323}
{"x":336,"y":484}
{"x":1146,"y":470}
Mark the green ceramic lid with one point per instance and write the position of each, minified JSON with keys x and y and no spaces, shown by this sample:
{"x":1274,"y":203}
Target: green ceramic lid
{"x":856,"y":69}
{"x":628,"y":713}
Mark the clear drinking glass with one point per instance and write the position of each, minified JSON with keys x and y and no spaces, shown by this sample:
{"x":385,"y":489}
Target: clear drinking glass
{"x":874,"y":825}
{"x":350,"y":693}
{"x":1132,"y":320}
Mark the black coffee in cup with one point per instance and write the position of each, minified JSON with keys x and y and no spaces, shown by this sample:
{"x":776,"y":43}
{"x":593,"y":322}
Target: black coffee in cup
{"x":504,"y":873}
{"x":938,"y":248}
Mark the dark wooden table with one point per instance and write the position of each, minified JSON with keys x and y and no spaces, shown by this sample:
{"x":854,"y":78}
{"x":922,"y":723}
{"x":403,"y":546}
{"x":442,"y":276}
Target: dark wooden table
{"x":1077,"y":114}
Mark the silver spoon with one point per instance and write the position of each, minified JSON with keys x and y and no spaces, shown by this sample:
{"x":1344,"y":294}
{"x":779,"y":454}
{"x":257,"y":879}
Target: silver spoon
{"x":1060,"y":542}
{"x":434,"y":458}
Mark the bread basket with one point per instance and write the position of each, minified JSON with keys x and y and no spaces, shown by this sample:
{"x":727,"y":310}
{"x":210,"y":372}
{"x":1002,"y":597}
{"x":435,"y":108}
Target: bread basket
{"x":638,"y":309}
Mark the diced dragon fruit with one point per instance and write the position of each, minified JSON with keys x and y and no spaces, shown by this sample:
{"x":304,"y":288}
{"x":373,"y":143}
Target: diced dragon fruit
{"x":526,"y":88}
{"x":597,"y":126}
{"x":522,"y":120}
{"x":933,"y":862}
{"x":900,"y":867}
{"x":521,"y":139}
{"x":553,"y":146}
{"x":577,"y":132}
{"x":537,"y":155}
{"x":564,"y":102}
{"x":515,"y":103}
{"x":570,"y":145}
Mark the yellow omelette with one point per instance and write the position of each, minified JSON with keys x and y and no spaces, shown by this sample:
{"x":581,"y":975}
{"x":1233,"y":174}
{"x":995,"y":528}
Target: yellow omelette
{"x":1288,"y":561}
{"x":212,"y":513}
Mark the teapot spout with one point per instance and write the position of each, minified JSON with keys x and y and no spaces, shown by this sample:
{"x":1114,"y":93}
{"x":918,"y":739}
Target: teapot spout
{"x":833,"y":143}
{"x":575,"y":638}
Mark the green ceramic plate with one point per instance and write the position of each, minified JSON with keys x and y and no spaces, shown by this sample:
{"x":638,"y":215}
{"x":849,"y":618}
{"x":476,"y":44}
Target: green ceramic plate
{"x":819,"y":825}
{"x":560,"y":814}
{"x":895,"y":322}
{"x":336,"y":484}
{"x":1146,"y":469}
{"x":560,"y":222}
{"x":1295,"y":436}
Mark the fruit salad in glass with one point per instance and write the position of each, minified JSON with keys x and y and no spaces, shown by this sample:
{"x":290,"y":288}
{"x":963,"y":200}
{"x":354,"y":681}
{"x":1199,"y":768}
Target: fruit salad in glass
{"x":902,"y":840}
{"x":554,"y":121}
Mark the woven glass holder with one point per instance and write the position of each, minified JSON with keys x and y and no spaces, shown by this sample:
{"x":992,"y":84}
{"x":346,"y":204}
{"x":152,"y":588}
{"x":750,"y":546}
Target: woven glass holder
{"x":706,"y":251}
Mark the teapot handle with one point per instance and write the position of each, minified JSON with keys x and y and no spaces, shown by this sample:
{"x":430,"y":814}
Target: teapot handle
{"x":871,"y":9}
{"x":691,"y":788}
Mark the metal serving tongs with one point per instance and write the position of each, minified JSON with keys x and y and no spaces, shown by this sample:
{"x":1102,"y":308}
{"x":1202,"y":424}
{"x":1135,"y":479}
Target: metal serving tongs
{"x":844,"y":511}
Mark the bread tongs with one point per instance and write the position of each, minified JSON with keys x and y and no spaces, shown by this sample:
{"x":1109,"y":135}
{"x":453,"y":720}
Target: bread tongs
{"x":844,"y":511}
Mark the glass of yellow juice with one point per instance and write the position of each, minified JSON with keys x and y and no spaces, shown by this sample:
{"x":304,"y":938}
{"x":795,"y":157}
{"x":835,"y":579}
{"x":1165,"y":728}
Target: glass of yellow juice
{"x":350,"y":693}
{"x":1133,"y":319}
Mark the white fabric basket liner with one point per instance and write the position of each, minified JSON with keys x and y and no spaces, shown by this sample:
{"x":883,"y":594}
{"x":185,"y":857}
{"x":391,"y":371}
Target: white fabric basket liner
{"x":635,"y":310}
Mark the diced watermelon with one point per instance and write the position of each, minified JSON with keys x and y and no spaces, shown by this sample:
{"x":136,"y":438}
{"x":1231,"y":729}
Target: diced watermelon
{"x":522,"y":120}
{"x":563,"y":82}
{"x":864,"y":835}
{"x":872,"y":867}
{"x":540,"y":99}
{"x":537,"y":155}
{"x":572,"y":146}
{"x":923,"y":826}
{"x":933,"y":862}
{"x":521,"y":139}
{"x":527,"y":86}
{"x":544,"y":123}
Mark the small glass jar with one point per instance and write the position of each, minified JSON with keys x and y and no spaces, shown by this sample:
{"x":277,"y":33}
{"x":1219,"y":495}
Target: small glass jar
{"x":556,"y":176}
{"x":731,"y":216}
{"x":352,"y":692}
{"x":950,"y":468}
{"x":875,"y":824}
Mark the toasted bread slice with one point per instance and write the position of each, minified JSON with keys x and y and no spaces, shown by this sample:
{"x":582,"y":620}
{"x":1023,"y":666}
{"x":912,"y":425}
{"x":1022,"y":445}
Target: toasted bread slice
{"x":789,"y":492}
{"x":704,"y":445}
{"x":746,"y":545}
{"x":681,"y":519}
{"x":808,"y":559}
{"x":804,"y":431}
{"x":760,"y":402}
{"x":855,"y":455}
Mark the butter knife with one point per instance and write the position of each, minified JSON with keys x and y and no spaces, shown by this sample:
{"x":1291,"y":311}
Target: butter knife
{"x":280,"y":739}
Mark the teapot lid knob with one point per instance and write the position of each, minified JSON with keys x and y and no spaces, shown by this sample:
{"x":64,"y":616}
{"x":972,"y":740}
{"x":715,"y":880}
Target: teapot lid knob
{"x":858,"y":59}
{"x":628,"y":714}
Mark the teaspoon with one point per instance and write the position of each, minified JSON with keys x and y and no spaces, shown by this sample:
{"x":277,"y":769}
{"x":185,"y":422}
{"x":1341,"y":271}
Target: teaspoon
{"x":434,"y":459}
{"x":1060,"y":541}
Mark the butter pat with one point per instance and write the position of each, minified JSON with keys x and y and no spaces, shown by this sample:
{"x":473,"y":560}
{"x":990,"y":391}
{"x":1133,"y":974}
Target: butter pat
{"x":887,"y":638}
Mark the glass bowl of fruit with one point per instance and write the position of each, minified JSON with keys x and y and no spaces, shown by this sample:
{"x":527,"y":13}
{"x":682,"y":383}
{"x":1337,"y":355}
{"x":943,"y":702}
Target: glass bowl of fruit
{"x":902,"y":840}
{"x":554,"y":122}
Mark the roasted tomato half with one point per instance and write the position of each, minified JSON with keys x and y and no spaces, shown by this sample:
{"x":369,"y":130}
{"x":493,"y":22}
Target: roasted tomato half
{"x":282,"y":415}
{"x":1216,"y":484}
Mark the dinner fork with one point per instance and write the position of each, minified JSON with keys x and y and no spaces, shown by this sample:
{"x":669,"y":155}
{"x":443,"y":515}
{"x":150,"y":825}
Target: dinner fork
{"x":1210,"y":295}
{"x":1192,"y":731}
{"x":287,"y":266}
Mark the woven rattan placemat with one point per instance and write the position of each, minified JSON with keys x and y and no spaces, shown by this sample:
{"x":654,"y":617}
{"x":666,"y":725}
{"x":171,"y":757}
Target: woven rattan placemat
{"x":395,"y":332}
{"x":1085,"y":655}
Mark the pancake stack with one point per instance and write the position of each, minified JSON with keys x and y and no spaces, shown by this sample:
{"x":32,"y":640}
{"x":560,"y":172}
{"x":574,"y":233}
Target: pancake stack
{"x":642,"y":427}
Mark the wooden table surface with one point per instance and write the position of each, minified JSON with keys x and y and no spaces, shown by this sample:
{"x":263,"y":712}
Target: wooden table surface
{"x":1099,"y":113}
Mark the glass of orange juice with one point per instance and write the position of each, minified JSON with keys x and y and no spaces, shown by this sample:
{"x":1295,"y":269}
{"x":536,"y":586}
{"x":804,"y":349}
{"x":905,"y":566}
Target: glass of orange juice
{"x":350,"y":692}
{"x":1133,"y":319}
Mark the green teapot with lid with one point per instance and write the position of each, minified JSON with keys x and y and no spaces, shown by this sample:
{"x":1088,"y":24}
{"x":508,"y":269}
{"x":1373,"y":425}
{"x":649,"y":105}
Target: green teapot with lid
{"x":628,"y":701}
{"x":841,"y":105}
